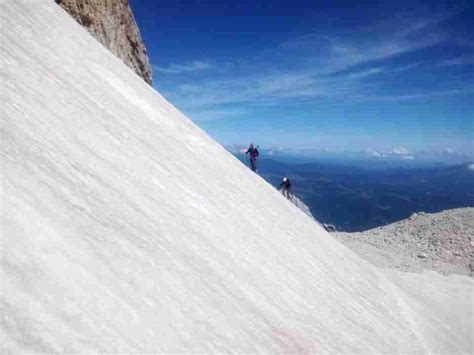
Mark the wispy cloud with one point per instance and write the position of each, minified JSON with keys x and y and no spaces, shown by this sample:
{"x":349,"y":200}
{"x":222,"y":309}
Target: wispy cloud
{"x":295,"y":88}
{"x":207,"y":115}
{"x":175,"y":68}
{"x":461,"y":60}
{"x":259,"y":89}
{"x":398,"y":152}
{"x":414,"y":96}
{"x":347,"y":67}
{"x":369,"y":45}
{"x":360,"y":74}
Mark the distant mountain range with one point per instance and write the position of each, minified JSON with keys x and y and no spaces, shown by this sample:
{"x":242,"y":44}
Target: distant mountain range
{"x":355,"y":198}
{"x":396,"y":157}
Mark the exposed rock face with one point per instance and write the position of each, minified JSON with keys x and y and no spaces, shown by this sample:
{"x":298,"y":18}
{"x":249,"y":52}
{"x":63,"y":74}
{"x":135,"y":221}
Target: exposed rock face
{"x":112,"y":23}
{"x":442,"y":241}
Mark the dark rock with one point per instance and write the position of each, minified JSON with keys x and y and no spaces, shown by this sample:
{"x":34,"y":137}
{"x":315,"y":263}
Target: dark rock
{"x":112,"y":23}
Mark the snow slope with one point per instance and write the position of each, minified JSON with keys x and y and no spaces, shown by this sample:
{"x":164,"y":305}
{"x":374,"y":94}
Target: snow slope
{"x":125,"y":228}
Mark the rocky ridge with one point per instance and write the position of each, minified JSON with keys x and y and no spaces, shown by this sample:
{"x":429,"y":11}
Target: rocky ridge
{"x":305,"y":209}
{"x":112,"y":23}
{"x":442,"y":241}
{"x":301,"y":205}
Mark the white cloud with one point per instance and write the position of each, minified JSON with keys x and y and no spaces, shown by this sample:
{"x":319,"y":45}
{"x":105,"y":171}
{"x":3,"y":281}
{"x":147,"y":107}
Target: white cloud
{"x":375,"y":153}
{"x":400,"y":151}
{"x":451,"y":152}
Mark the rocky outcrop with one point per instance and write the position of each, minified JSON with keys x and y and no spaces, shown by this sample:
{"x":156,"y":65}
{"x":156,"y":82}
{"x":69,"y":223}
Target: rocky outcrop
{"x":112,"y":23}
{"x":442,"y":241}
{"x":301,"y":205}
{"x":331,"y":228}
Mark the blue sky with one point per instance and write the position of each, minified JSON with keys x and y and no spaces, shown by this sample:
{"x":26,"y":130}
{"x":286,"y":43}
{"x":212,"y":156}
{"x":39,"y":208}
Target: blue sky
{"x":379,"y":77}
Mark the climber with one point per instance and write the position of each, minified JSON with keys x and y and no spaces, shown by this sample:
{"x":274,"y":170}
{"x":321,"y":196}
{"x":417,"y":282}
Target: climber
{"x":286,"y":186}
{"x":253,"y":153}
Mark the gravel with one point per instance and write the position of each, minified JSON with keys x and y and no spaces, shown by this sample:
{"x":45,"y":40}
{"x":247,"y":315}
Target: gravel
{"x":443,"y":242}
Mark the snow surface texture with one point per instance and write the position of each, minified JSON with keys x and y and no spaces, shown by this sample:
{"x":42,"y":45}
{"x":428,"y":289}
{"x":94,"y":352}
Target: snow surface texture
{"x":125,"y":228}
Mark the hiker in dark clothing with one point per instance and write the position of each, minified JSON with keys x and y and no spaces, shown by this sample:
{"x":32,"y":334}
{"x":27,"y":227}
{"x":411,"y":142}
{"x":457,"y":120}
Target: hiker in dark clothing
{"x":253,"y":153}
{"x":285,"y":186}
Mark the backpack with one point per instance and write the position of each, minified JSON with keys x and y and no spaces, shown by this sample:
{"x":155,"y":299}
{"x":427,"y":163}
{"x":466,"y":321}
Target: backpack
{"x":254,"y":153}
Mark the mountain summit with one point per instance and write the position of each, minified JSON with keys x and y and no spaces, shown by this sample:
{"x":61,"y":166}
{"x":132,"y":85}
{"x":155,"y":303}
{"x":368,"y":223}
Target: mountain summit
{"x":125,"y":228}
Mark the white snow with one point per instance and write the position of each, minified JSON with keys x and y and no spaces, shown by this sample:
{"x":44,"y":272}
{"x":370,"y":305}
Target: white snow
{"x":125,"y":228}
